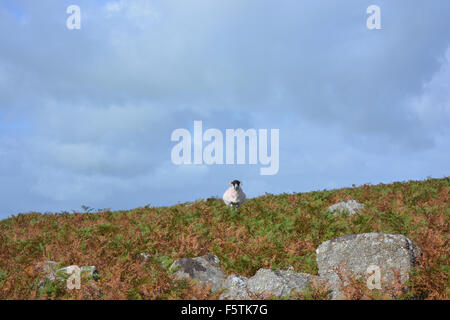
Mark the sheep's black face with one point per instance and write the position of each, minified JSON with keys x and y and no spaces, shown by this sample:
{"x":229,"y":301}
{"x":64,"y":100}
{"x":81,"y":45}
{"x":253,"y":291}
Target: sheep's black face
{"x":236,"y":184}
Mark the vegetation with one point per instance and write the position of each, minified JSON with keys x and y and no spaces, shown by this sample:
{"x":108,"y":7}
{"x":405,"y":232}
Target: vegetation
{"x":271,"y":231}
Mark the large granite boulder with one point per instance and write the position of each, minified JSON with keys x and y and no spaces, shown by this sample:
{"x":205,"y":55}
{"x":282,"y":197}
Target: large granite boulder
{"x":266,"y":282}
{"x":358,"y":255}
{"x":204,"y":269}
{"x":350,"y":206}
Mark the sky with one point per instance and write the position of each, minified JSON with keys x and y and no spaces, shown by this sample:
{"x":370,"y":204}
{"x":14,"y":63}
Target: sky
{"x":86,"y":115}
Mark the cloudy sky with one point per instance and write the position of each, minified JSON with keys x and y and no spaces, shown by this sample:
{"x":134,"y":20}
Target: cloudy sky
{"x":86,"y":115}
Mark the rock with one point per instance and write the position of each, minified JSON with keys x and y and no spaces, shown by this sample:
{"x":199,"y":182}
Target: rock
{"x":350,"y":206}
{"x":144,"y":256}
{"x":279,"y":283}
{"x":265,"y":282}
{"x":357,"y":252}
{"x":235,"y":288}
{"x":86,"y":272}
{"x":45,"y":266}
{"x":90,"y":272}
{"x":204,"y":269}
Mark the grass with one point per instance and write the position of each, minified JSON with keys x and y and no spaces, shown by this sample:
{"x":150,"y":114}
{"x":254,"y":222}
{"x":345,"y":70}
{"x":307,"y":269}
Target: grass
{"x":272,"y":231}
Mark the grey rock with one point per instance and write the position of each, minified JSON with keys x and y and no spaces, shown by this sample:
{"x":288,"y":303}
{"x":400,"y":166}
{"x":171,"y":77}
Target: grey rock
{"x":204,"y":269}
{"x":351,"y":207}
{"x":85,"y":271}
{"x":89,"y":272}
{"x":279,"y":283}
{"x":145,"y":256}
{"x":235,"y":288}
{"x":45,"y":266}
{"x":355,"y":253}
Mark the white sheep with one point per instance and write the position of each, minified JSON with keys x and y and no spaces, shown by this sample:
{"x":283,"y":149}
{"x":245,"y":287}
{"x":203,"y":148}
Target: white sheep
{"x":234,"y":196}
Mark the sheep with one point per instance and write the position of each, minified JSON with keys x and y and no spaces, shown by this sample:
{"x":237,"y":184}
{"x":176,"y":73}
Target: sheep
{"x":234,"y":196}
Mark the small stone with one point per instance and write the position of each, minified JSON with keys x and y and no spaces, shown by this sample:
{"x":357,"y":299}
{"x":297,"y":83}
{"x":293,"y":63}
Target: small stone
{"x":45,"y":266}
{"x":89,"y":272}
{"x":145,"y":256}
{"x":351,"y":207}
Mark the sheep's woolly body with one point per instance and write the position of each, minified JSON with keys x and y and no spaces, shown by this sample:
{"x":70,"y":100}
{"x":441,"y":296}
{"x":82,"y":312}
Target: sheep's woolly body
{"x":232,"y":197}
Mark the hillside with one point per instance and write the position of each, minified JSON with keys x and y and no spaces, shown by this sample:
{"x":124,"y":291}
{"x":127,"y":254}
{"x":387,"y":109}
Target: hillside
{"x":272,"y":231}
